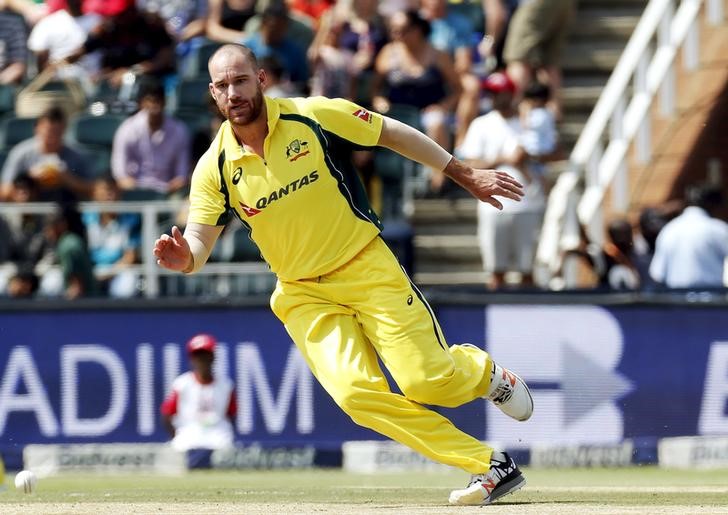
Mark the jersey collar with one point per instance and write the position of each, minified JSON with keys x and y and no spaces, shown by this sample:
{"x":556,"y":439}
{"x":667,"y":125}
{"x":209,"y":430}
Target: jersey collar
{"x":233,"y":149}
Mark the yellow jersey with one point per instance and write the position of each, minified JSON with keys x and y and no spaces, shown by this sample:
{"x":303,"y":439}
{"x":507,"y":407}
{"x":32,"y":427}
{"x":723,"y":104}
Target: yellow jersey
{"x":304,"y":203}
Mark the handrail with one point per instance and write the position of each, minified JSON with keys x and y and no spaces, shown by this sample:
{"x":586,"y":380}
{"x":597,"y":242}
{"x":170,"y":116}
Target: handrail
{"x":621,"y":117}
{"x":149,"y":211}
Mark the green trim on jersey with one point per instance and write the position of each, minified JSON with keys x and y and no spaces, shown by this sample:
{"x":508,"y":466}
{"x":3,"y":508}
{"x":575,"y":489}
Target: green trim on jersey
{"x":224,"y":217}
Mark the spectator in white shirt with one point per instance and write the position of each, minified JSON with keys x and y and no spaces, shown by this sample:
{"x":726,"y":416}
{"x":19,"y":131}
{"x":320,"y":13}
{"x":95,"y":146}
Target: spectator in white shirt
{"x":60,"y":36}
{"x":691,"y":249}
{"x":199,"y":410}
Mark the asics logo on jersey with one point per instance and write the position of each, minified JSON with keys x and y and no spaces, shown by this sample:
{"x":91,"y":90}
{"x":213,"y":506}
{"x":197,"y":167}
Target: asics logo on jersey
{"x":237,"y":175}
{"x":278,"y":194}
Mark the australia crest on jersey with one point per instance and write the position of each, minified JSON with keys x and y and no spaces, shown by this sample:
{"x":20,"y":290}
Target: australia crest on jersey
{"x":296,"y":149}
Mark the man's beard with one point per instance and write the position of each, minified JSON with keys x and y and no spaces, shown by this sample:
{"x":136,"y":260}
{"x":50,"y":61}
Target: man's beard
{"x":256,"y":106}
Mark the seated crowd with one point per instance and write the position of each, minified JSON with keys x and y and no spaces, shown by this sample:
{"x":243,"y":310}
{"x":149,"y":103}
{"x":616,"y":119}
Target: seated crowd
{"x":449,"y":68}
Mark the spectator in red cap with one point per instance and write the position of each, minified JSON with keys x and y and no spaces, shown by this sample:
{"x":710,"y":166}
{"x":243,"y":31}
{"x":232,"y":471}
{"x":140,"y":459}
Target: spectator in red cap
{"x":199,"y":411}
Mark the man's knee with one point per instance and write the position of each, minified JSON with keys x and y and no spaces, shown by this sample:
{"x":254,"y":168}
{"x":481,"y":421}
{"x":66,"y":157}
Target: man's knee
{"x":357,"y":404}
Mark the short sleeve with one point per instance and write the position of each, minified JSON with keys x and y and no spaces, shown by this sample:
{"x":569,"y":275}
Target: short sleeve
{"x":348,"y":120}
{"x":209,"y":198}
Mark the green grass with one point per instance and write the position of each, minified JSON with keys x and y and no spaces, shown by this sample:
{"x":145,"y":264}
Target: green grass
{"x":639,"y":486}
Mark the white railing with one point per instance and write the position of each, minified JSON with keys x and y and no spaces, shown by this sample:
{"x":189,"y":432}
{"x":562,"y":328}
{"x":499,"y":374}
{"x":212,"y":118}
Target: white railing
{"x":217,"y":279}
{"x":620,"y":118}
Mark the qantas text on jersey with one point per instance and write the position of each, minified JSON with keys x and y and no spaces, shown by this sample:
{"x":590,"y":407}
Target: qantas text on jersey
{"x":285,"y":190}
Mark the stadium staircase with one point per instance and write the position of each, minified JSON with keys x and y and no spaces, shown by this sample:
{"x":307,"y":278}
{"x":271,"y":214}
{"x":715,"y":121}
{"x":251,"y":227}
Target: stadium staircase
{"x":446,"y":250}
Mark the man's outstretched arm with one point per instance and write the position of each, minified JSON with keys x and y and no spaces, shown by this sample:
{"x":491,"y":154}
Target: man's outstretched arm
{"x":484,"y":185}
{"x":189,"y":252}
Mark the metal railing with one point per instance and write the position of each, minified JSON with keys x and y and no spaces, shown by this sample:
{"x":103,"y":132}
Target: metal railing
{"x":215,"y":279}
{"x":620,"y":118}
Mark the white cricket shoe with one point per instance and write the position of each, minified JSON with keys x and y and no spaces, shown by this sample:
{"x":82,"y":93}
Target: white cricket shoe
{"x":503,"y":478}
{"x":510,"y":393}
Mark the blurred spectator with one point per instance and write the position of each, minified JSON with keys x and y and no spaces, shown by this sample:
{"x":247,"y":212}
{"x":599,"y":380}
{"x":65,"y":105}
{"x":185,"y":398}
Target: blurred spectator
{"x":410,"y":71}
{"x":26,"y":243}
{"x":388,"y":8}
{"x":199,"y":411}
{"x":23,"y":285}
{"x":151,"y":150}
{"x":60,"y":36}
{"x":535,"y":40}
{"x":65,"y":231}
{"x":184,"y":19}
{"x":271,"y":40}
{"x":313,"y":9}
{"x":100,"y":7}
{"x":227,"y":18}
{"x":277,"y":84}
{"x":507,"y":238}
{"x":31,"y":11}
{"x":539,"y":136}
{"x":618,"y":270}
{"x":651,"y":222}
{"x":352,"y":32}
{"x":691,"y":250}
{"x":300,"y":27}
{"x":132,"y":41}
{"x":13,"y":53}
{"x":497,"y":15}
{"x":539,"y":125}
{"x":113,"y":242}
{"x":452,"y":33}
{"x":331,"y":62}
{"x":59,"y":171}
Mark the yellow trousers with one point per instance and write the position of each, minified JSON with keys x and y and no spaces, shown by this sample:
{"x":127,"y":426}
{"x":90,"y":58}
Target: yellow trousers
{"x":342,"y":321}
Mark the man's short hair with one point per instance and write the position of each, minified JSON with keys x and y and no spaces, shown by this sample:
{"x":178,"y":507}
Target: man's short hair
{"x":54,"y":114}
{"x":151,"y":87}
{"x":275,"y":10}
{"x":706,"y":196}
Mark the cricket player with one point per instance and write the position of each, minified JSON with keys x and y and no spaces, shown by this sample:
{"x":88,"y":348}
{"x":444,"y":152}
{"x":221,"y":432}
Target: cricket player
{"x":283,"y":168}
{"x":199,"y":409}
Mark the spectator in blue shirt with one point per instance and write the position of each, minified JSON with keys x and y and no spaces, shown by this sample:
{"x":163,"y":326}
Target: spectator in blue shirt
{"x":271,"y":40}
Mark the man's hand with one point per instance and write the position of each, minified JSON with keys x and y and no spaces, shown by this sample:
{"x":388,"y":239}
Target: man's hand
{"x":173,"y":252}
{"x":485,"y":185}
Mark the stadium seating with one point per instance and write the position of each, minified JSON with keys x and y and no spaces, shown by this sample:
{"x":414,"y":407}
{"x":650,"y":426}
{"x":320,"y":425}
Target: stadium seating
{"x":92,"y":136}
{"x":7,"y":99}
{"x":14,"y":130}
{"x":191,"y":94}
{"x":95,"y":131}
{"x":197,"y":61}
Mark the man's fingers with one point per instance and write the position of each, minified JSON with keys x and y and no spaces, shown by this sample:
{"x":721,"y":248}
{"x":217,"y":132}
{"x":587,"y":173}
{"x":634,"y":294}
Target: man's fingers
{"x":493,"y":202}
{"x":509,"y":194}
{"x":506,"y":177}
{"x":511,"y":187}
{"x":177,"y":235}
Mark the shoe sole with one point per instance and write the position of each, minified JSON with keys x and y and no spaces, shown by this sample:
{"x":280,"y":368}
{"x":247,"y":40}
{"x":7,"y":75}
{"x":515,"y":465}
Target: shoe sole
{"x":508,"y":487}
{"x":530,"y":398}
